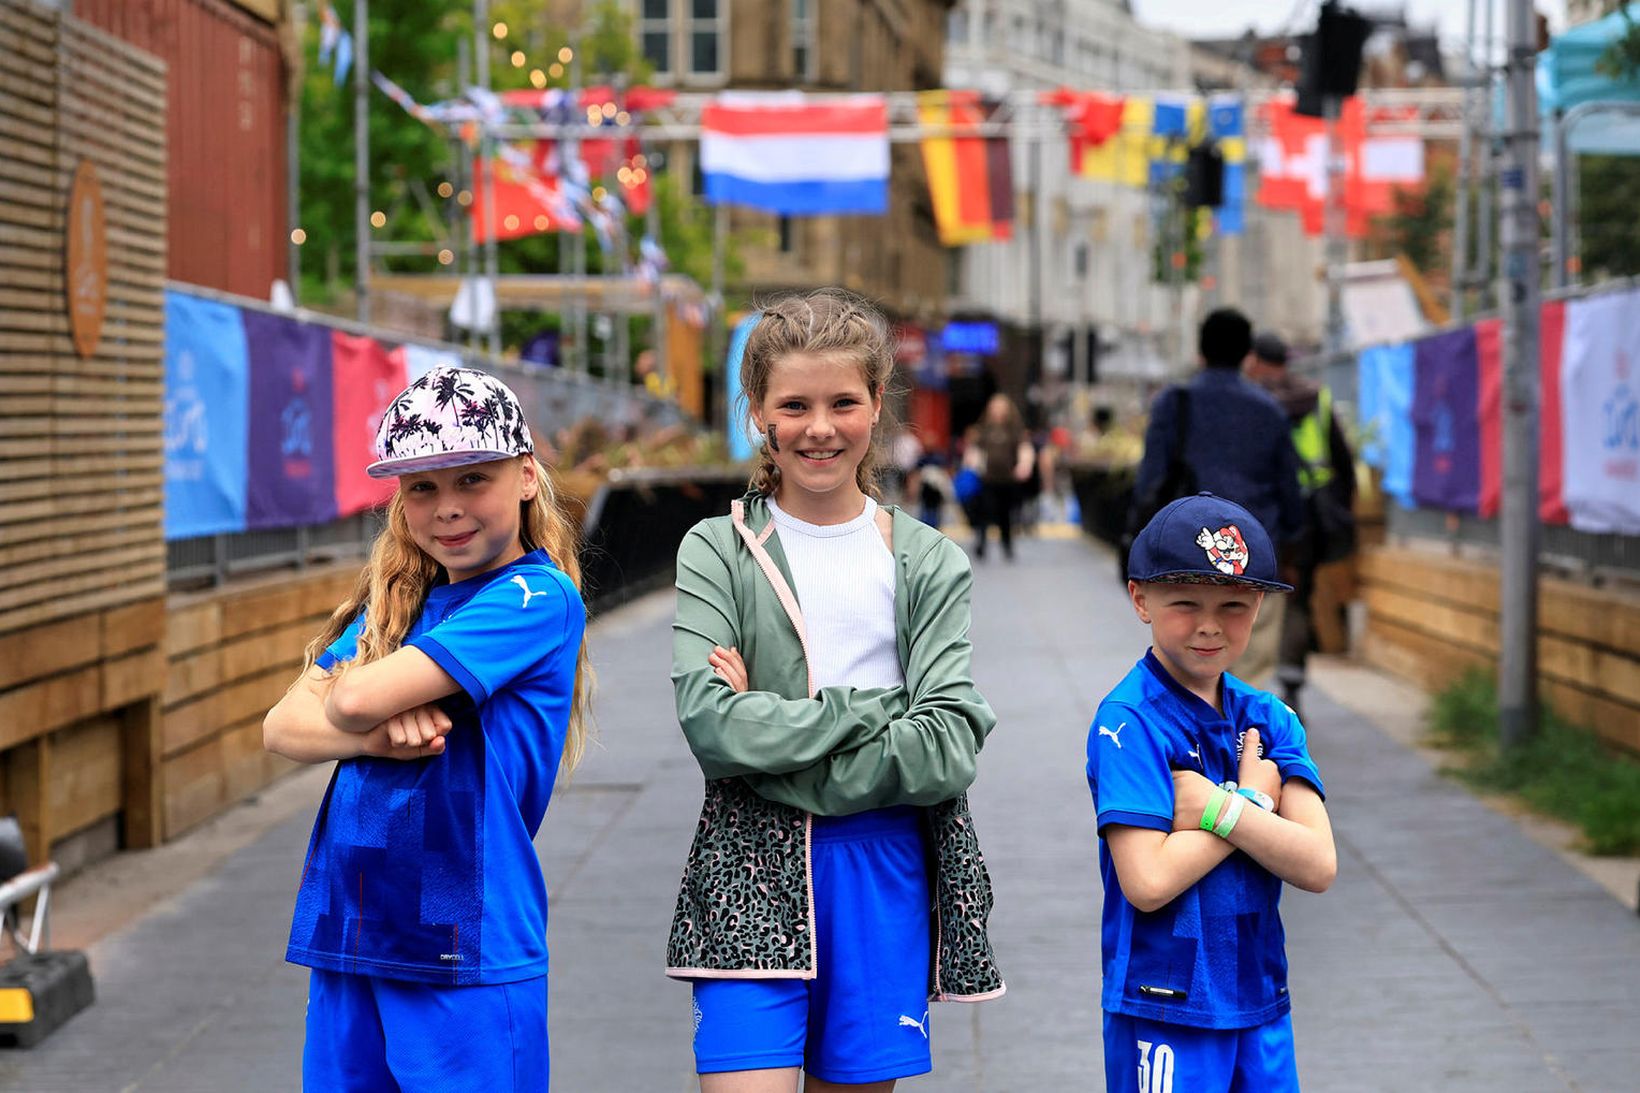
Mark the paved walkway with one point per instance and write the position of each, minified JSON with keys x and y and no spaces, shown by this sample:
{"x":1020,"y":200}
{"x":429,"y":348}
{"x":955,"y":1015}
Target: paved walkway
{"x":1454,"y":953}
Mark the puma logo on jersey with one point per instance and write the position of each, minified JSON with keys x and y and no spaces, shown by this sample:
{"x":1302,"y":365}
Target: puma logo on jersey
{"x":912,"y":1022}
{"x":529,"y":593}
{"x":1114,"y":734}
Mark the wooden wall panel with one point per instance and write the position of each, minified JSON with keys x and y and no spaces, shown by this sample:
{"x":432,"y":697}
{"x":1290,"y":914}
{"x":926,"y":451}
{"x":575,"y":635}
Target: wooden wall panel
{"x":80,"y":438}
{"x":1430,"y":618}
{"x":82,"y":551}
{"x":231,"y":652}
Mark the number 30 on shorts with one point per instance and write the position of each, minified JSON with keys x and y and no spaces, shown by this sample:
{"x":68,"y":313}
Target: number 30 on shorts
{"x":1155,"y":1067}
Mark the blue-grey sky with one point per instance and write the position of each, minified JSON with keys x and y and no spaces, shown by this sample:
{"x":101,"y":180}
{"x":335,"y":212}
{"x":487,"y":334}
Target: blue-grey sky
{"x":1225,"y":18}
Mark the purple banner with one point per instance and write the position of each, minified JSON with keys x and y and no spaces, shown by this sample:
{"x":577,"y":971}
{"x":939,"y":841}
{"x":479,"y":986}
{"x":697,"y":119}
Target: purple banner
{"x":1446,"y":467}
{"x":292,"y":470}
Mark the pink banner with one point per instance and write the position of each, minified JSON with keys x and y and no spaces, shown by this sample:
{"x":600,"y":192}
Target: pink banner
{"x":1552,"y":456}
{"x":1489,"y":368}
{"x":366,"y":376}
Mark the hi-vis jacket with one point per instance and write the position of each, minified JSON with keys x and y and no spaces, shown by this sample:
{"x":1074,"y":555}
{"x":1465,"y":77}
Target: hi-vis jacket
{"x":782,"y":751}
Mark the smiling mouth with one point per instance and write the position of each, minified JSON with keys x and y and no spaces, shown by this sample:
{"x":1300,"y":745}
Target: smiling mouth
{"x":454,"y":540}
{"x":825,"y":456}
{"x":1204,"y":651}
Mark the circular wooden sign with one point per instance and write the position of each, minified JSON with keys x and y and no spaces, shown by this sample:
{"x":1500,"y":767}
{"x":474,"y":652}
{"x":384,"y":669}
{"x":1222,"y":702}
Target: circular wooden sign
{"x":86,"y":290}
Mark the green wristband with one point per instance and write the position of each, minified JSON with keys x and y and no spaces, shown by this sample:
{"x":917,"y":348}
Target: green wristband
{"x":1232,"y":813}
{"x":1215,"y":802}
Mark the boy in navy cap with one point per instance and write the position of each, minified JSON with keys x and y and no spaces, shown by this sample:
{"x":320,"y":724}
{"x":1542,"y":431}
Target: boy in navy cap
{"x":1207,"y":800}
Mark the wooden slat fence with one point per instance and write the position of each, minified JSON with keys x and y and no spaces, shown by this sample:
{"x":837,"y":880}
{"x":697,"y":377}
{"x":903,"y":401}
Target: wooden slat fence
{"x":1432,"y":617}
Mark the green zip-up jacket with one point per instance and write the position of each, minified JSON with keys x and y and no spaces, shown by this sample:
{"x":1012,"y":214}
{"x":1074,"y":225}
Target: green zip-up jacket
{"x":781,"y":751}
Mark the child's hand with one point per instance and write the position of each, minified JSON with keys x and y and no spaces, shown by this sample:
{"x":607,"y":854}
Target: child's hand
{"x":415,"y":729}
{"x":728,"y":664}
{"x":1258,"y":773}
{"x":1190,"y":793}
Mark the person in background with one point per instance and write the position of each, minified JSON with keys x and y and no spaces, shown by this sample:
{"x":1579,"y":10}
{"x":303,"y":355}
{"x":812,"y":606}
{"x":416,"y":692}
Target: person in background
{"x":1326,"y":474}
{"x":1233,"y":439}
{"x":1006,"y":459}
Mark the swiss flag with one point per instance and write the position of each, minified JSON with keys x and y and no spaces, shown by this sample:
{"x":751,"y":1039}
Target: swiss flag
{"x":1293,"y":163}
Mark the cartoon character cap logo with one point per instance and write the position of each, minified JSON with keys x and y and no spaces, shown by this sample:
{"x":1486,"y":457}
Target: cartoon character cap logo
{"x":1226,"y":549}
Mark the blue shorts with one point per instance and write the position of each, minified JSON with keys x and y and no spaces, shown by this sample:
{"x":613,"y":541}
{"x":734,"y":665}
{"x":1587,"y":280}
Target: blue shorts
{"x":1151,"y":1057}
{"x":864,"y":1017}
{"x":365,"y":1033}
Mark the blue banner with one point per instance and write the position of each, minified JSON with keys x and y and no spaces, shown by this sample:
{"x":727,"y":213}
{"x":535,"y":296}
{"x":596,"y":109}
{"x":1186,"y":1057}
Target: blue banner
{"x":206,"y":392}
{"x":1384,"y":406}
{"x":291,"y":461}
{"x":740,"y":439}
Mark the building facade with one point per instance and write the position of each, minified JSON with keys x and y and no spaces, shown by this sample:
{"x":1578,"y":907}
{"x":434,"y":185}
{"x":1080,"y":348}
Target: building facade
{"x":1077,"y":270}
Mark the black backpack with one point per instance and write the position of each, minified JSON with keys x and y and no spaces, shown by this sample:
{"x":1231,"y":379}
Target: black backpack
{"x":1178,"y":480}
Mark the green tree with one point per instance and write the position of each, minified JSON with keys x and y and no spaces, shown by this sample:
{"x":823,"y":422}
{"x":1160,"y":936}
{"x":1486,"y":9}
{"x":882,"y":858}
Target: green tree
{"x":414,"y":45}
{"x":1609,"y":215}
{"x":1621,"y":60}
{"x":1419,"y":226}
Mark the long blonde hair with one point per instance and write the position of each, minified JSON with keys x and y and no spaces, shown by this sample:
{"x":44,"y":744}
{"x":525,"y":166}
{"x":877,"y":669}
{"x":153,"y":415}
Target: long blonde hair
{"x":393,"y":585}
{"x":825,"y":322}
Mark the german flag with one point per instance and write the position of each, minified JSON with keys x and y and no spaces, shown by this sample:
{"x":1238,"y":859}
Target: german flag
{"x":970,"y":177}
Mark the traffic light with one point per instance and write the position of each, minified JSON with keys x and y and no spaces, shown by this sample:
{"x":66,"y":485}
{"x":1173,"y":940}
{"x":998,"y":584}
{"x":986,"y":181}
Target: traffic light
{"x":1331,"y":62}
{"x":1204,"y":177}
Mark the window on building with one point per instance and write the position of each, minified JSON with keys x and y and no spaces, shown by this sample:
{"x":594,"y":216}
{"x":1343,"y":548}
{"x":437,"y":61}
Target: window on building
{"x":788,"y":238}
{"x":655,"y":35}
{"x":956,"y":26}
{"x":706,"y":37}
{"x":804,"y":54}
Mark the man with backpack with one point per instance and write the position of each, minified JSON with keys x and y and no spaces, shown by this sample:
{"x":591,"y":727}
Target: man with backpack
{"x":1221,"y":433}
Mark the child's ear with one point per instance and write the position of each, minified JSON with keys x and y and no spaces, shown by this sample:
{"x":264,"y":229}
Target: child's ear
{"x":1136,"y":596}
{"x":526,"y":469}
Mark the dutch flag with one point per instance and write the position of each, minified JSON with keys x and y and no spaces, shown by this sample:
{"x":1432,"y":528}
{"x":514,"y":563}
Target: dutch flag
{"x":786,"y":153}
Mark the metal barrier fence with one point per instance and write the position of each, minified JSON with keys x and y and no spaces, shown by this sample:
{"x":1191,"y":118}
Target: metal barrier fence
{"x":1577,"y":553}
{"x":629,"y":537}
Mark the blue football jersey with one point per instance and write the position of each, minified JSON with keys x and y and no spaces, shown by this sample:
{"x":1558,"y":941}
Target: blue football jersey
{"x":425,"y":869}
{"x":1215,"y":956}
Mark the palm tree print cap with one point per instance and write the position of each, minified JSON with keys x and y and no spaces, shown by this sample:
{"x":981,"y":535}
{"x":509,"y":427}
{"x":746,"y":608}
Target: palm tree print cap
{"x":449,"y":418}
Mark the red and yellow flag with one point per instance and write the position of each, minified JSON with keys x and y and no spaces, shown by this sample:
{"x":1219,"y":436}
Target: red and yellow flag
{"x":970,"y":177}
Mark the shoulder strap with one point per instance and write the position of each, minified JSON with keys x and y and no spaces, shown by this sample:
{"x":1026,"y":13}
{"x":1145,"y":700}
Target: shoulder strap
{"x":782,"y":590}
{"x":1181,"y":425}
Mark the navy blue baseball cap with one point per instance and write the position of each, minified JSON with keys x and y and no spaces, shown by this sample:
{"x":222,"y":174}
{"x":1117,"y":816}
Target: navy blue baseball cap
{"x":1205,"y":539}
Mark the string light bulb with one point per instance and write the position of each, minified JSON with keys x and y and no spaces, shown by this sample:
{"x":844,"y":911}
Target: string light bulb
{"x":511,"y":222}
{"x":499,"y":30}
{"x":566,"y":55}
{"x":378,"y":219}
{"x":538,"y":79}
{"x":609,"y":110}
{"x":518,"y":58}
{"x":464,"y":198}
{"x":623,"y":118}
{"x":541,"y":223}
{"x":599,"y":193}
{"x":298,"y":236}
{"x":446,"y":256}
{"x":555,"y":70}
{"x":445,"y":189}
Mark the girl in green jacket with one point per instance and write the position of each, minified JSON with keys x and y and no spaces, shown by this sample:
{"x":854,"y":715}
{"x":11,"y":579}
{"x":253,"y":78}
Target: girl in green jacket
{"x":821,"y":668}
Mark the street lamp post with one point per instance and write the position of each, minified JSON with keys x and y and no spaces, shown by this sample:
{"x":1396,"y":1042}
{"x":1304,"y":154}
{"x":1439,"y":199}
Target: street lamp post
{"x":1519,"y":291}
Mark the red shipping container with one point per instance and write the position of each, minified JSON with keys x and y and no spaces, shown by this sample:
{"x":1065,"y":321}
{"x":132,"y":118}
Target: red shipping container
{"x":224,"y":130}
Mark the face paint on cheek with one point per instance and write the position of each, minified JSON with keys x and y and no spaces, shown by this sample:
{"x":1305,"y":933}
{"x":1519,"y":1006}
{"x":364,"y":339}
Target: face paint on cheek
{"x":774,"y":443}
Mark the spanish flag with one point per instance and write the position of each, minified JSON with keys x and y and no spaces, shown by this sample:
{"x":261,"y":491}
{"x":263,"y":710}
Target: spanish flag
{"x":970,"y":177}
